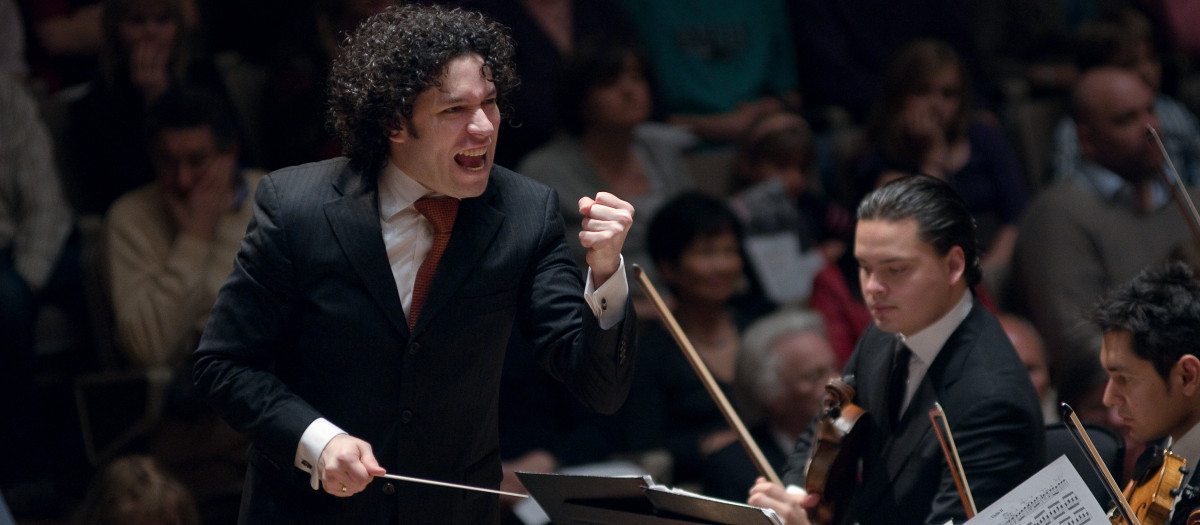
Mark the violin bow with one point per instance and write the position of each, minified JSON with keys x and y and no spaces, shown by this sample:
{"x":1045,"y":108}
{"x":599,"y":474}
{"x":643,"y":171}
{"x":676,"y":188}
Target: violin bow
{"x":942,"y":428}
{"x":1178,"y":190}
{"x":756,"y":455}
{"x":1085,"y":442}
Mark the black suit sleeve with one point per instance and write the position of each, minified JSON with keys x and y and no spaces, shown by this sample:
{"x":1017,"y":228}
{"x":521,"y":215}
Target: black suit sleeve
{"x":595,"y":364}
{"x":245,"y":331}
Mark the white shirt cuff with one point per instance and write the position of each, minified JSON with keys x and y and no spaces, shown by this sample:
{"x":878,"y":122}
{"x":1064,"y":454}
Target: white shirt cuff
{"x":608,"y":302}
{"x":308,"y":453}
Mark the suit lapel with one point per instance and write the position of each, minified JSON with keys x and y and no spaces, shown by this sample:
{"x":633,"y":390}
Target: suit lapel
{"x":474,"y":230}
{"x":354,"y":218}
{"x":915,"y":425}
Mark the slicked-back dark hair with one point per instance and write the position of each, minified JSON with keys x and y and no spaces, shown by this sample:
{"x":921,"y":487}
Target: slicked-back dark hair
{"x":943,"y":220}
{"x":395,"y":56}
{"x":1160,"y":308}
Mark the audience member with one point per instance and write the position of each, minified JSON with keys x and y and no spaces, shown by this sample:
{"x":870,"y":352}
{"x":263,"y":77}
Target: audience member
{"x":843,"y":49}
{"x":547,"y":33}
{"x":1024,"y":46}
{"x":1151,"y":350}
{"x":64,"y":41}
{"x":1098,"y":226}
{"x":722,"y":64}
{"x":37,"y":263}
{"x":931,"y":340}
{"x":608,"y":145}
{"x":1126,"y":40}
{"x":1028,"y":344}
{"x":796,"y":237}
{"x":924,"y":122}
{"x":170,"y":245}
{"x":779,"y":386}
{"x":12,"y":41}
{"x":146,"y":51}
{"x":696,"y":242}
{"x":294,"y":92}
{"x":137,"y":490}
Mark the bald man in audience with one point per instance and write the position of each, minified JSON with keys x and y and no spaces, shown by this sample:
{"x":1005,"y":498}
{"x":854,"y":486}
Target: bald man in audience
{"x":1099,"y":226}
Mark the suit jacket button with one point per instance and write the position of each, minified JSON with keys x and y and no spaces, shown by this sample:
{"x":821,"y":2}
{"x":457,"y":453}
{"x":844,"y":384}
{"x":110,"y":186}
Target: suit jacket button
{"x":414,"y":348}
{"x":389,"y":489}
{"x":406,"y":416}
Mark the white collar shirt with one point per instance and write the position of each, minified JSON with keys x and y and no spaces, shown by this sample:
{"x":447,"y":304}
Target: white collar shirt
{"x":926,"y":344}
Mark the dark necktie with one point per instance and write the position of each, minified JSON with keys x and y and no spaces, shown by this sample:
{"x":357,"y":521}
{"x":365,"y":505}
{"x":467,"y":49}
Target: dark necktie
{"x":898,"y":380}
{"x":441,"y":212}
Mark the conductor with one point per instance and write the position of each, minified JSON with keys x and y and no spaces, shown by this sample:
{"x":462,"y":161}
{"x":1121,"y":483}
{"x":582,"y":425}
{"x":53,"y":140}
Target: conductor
{"x":364,"y":325}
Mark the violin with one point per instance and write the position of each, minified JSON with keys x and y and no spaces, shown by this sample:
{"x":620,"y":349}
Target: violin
{"x":1152,"y":496}
{"x":1146,"y":500}
{"x":832,"y":470}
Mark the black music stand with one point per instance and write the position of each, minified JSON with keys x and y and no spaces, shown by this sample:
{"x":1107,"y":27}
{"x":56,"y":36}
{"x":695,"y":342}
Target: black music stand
{"x":633,"y":500}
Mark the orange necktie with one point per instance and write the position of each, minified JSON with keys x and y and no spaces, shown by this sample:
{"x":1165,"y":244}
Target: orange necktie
{"x":441,"y":212}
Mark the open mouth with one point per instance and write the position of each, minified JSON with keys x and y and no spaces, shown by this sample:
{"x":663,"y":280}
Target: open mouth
{"x":472,"y":159}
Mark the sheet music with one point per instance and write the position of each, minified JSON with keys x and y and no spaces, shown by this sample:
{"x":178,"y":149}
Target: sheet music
{"x":786,"y":273}
{"x":1056,"y":495}
{"x":530,"y":513}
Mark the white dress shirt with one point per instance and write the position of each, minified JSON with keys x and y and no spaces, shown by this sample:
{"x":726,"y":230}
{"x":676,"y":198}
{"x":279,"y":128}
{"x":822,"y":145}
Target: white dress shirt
{"x":927,"y":343}
{"x":407,"y":237}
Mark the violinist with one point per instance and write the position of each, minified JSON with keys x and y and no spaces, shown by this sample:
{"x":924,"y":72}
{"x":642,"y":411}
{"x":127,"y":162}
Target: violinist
{"x":1151,"y":350}
{"x":930,"y":340}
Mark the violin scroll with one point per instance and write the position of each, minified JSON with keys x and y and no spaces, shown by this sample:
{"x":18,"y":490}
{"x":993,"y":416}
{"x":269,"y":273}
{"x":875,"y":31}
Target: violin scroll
{"x":832,"y":470}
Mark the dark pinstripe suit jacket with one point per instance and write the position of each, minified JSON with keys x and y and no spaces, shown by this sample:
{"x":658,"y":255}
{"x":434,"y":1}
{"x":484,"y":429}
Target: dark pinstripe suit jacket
{"x":310,"y":325}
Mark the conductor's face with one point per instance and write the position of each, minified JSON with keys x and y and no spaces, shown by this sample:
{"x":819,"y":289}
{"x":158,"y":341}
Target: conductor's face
{"x":451,"y":140}
{"x":906,"y":284}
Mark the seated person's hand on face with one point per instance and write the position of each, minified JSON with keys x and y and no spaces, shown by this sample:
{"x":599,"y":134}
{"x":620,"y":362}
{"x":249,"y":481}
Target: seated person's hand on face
{"x":198,"y":209}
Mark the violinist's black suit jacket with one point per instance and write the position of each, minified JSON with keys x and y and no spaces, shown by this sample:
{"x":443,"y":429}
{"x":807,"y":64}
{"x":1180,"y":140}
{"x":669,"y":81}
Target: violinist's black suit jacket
{"x":993,"y":413}
{"x":310,"y":325}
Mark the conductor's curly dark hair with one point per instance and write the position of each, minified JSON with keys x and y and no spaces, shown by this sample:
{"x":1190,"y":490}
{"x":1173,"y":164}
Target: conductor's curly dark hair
{"x":395,"y":56}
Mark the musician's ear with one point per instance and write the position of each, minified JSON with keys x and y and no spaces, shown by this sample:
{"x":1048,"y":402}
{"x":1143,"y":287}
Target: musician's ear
{"x":1188,"y":371}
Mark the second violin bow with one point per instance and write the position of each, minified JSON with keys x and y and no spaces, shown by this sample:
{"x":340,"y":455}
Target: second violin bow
{"x":942,"y":428}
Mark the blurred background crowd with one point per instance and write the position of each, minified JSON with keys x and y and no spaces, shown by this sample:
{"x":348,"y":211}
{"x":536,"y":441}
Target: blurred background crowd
{"x":133,"y":132}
